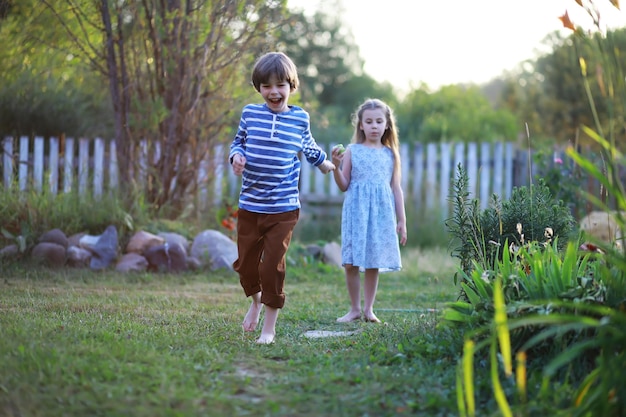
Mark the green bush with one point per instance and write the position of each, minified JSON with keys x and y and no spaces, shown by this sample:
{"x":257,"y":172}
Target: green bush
{"x":45,"y":107}
{"x":563,"y":179}
{"x":480,"y":236}
{"x":26,"y":215}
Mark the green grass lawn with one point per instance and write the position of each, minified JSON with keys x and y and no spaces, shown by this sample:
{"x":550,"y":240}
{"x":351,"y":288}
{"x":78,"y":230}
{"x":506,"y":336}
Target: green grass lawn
{"x":84,"y":343}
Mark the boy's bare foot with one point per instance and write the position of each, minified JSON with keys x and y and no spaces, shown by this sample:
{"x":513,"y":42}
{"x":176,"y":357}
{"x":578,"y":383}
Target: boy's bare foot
{"x":269,"y":326}
{"x":371,"y":318}
{"x":251,"y":319}
{"x":265,"y":339}
{"x":351,"y":316}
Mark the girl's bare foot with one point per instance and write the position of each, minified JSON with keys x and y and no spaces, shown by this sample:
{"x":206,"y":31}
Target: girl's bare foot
{"x":371,"y":318}
{"x":265,"y":339}
{"x":251,"y":319}
{"x":351,"y":316}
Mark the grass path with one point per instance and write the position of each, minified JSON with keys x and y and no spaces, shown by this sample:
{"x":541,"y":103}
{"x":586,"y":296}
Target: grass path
{"x":79,"y":343}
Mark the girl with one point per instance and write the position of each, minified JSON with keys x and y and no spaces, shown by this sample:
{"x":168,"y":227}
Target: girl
{"x":373,"y":212}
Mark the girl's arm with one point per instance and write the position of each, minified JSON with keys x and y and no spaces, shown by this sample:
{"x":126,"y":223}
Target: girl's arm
{"x":398,"y":196}
{"x":343,"y":162}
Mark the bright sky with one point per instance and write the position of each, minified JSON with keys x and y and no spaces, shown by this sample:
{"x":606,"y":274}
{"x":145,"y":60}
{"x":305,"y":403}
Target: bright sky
{"x":443,"y":42}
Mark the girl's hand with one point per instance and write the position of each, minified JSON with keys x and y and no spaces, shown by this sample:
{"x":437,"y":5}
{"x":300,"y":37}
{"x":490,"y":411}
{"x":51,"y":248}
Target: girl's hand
{"x":401,"y":229}
{"x":338,"y":154}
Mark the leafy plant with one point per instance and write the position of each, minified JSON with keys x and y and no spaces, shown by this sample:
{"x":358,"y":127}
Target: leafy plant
{"x":27,"y":215}
{"x":534,"y":273}
{"x":583,"y":327}
{"x":530,"y":215}
{"x":464,"y":225}
{"x":563,"y":178}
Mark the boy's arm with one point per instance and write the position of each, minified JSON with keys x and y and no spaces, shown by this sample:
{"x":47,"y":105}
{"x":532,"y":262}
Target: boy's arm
{"x":237,"y":154}
{"x":312,"y":152}
{"x":238,"y":146}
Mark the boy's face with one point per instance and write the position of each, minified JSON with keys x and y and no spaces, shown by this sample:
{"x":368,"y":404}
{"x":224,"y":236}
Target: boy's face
{"x":276,"y":94}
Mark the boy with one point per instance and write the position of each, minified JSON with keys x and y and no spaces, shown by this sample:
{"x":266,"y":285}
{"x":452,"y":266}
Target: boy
{"x":265,"y":151}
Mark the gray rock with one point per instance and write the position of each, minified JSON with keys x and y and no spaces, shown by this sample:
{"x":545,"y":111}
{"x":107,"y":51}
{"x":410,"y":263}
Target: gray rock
{"x":193,"y":264}
{"x":331,"y":254}
{"x":55,"y":236}
{"x":10,"y":251}
{"x":78,"y":257}
{"x":74,"y":240}
{"x":132,"y":262}
{"x":49,"y":254}
{"x":166,"y":257}
{"x":105,"y":249}
{"x":314,"y":250}
{"x":88,"y":242}
{"x":142,"y":241}
{"x":172,"y":238}
{"x":214,"y":249}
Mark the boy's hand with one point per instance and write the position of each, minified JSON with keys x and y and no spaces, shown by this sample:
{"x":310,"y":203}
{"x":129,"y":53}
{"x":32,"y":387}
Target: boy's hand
{"x":326,"y":166}
{"x":239,"y":162}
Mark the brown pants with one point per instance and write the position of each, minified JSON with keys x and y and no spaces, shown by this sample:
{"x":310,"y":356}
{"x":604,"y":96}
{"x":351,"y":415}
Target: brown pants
{"x":262,"y":242}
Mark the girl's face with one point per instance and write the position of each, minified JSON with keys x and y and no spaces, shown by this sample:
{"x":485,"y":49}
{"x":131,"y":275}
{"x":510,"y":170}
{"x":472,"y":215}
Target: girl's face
{"x":373,"y":124}
{"x":276,"y":94}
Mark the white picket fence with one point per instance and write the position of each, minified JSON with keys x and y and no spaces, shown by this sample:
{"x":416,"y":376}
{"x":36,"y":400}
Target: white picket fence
{"x":428,"y":171}
{"x":90,"y":166}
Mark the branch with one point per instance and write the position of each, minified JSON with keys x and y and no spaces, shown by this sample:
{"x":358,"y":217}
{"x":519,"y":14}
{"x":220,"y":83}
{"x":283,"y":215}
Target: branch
{"x":74,"y":37}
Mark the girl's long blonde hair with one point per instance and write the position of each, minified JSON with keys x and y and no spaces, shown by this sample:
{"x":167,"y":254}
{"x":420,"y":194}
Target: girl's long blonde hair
{"x":390,"y":136}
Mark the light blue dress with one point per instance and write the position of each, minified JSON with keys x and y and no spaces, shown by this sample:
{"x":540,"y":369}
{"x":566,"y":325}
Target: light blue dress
{"x":368,"y":222}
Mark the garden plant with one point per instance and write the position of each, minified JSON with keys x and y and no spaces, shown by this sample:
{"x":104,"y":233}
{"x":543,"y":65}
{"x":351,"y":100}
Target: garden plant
{"x":546,"y":321}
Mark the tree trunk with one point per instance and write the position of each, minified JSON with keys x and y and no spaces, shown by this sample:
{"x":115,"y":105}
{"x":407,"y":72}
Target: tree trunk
{"x":121,"y":138}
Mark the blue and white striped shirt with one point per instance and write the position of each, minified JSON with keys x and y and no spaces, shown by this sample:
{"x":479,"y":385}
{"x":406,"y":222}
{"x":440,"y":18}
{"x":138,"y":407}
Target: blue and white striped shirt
{"x":271,"y":142}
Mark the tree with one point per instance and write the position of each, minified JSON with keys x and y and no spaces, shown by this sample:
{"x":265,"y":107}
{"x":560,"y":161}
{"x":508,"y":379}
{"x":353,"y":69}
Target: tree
{"x":333,"y":82}
{"x":550,"y":93}
{"x":173,"y":70}
{"x":45,"y":90}
{"x":453,"y":113}
{"x":5,"y":7}
{"x":324,"y":51}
